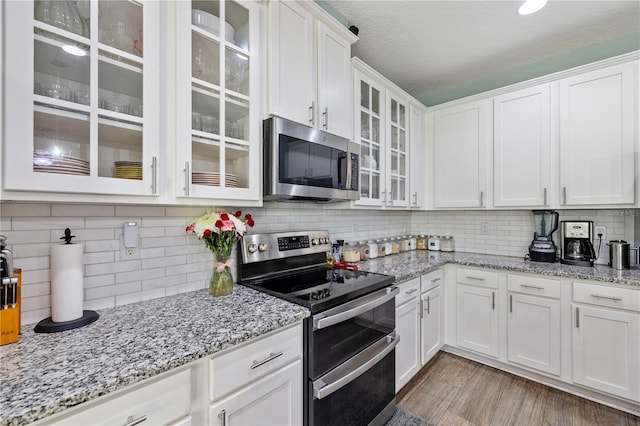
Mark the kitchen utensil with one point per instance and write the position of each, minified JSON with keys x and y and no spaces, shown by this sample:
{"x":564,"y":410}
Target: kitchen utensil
{"x":344,"y":265}
{"x":542,"y":247}
{"x":619,"y":254}
{"x":577,"y":243}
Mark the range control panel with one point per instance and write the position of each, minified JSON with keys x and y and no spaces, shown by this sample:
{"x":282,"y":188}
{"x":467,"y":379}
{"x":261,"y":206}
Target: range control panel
{"x":278,"y":245}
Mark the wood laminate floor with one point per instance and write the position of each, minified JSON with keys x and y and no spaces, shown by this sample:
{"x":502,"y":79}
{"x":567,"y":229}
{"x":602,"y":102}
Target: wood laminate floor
{"x":451,"y":390}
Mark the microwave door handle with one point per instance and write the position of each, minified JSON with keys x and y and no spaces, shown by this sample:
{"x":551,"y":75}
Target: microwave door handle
{"x":341,"y":160}
{"x":354,"y":368}
{"x":353,"y":308}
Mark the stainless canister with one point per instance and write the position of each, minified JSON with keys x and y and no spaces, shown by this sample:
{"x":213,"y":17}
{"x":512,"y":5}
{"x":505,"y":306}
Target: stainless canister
{"x":619,"y":254}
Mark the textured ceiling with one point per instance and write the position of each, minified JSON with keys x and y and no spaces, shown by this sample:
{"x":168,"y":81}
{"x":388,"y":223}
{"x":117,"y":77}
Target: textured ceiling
{"x":432,"y":48}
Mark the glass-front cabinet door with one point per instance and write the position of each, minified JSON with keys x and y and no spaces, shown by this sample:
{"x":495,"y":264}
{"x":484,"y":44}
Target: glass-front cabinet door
{"x":218,"y":122}
{"x":398,"y":145}
{"x":82,"y":96}
{"x":370,"y":115}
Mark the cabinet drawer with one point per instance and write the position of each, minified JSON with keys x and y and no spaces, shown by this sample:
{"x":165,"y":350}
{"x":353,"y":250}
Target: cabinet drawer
{"x":162,"y":402}
{"x":408,"y":290}
{"x":623,"y":298}
{"x":533,"y":285}
{"x":238,"y":367}
{"x":432,"y":279}
{"x":477,"y":277}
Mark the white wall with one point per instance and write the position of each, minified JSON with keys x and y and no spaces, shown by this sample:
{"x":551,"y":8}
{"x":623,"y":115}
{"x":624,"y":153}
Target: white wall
{"x":172,"y":262}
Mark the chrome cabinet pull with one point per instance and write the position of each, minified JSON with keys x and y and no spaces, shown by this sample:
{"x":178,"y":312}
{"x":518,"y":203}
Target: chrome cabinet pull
{"x":564,"y":195}
{"x":415,"y":199}
{"x":325,"y":119}
{"x":615,"y":299}
{"x":428,"y":305}
{"x":133,"y":422}
{"x":154,"y":175}
{"x":511,"y":303}
{"x":577,"y":317}
{"x":390,"y":198}
{"x":493,"y":300}
{"x":481,"y":198}
{"x":413,"y":290}
{"x":435,"y":280}
{"x":222,"y":416}
{"x":312,"y":112}
{"x":271,"y":357}
{"x":187,"y":174}
{"x":545,"y":197}
{"x":474,"y":278}
{"x":531,"y":286}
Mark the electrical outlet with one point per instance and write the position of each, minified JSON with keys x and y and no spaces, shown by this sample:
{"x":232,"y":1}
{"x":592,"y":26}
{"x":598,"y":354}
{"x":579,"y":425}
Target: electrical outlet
{"x":128,"y":253}
{"x":601,"y":230}
{"x":484,"y":228}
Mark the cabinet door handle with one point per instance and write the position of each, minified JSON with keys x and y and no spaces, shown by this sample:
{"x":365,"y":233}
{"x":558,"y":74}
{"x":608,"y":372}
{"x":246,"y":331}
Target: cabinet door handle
{"x":428,"y":305}
{"x":474,"y":278}
{"x":577,"y":317}
{"x":493,"y":300}
{"x":511,"y":303}
{"x":389,"y":198}
{"x":271,"y":357}
{"x":154,"y":175}
{"x":187,"y":178}
{"x":413,"y":290}
{"x":531,"y":286}
{"x":615,"y":299}
{"x":415,"y":199}
{"x":312,"y":113}
{"x":133,"y":422}
{"x":564,"y":195}
{"x":435,"y":280}
{"x":481,"y":198}
{"x":325,"y":119}
{"x":222,"y":416}
{"x":545,"y":197}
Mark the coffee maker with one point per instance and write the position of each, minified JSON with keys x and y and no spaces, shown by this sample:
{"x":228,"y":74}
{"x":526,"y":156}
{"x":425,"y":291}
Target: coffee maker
{"x":542,"y":248}
{"x":577,"y":243}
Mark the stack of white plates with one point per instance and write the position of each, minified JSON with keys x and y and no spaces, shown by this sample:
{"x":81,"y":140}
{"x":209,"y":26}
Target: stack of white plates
{"x":213,"y":179}
{"x":211,"y":23}
{"x":127,"y":170}
{"x":62,"y":165}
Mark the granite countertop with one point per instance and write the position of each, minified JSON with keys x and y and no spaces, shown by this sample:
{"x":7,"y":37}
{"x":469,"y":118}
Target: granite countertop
{"x":43,"y":374}
{"x":415,"y":263}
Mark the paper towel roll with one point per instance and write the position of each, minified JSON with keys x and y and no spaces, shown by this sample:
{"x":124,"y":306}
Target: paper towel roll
{"x":66,"y":282}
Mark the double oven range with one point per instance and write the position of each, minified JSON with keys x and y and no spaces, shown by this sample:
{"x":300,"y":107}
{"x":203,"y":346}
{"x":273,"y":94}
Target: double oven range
{"x":349,"y":339}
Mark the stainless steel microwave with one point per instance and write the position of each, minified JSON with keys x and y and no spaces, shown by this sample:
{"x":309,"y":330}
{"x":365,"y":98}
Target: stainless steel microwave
{"x":301,"y":163}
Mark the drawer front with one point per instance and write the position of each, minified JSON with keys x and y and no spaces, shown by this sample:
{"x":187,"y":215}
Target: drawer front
{"x":162,"y":402}
{"x":432,"y":279}
{"x":238,"y":367}
{"x":408,"y":290}
{"x":534,"y":285}
{"x":614,"y":297}
{"x":477,"y":277}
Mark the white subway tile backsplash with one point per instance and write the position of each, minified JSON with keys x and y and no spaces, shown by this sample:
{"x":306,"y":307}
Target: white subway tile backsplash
{"x":25,"y":209}
{"x":150,"y":253}
{"x":138,"y":275}
{"x":125,"y":299}
{"x":139,"y":211}
{"x":97,"y":304}
{"x":109,"y":268}
{"x":35,"y":290}
{"x":112,"y":290}
{"x":105,"y":245}
{"x":99,"y":280}
{"x":98,"y":257}
{"x":46,"y":223}
{"x":71,"y":210}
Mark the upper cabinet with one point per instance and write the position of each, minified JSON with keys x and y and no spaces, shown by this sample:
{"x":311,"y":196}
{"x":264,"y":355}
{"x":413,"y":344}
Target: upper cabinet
{"x":217,"y":107}
{"x":309,"y":67}
{"x":82,"y":97}
{"x":462,"y":138}
{"x":522,"y":148}
{"x":417,"y":159}
{"x":598,"y":119}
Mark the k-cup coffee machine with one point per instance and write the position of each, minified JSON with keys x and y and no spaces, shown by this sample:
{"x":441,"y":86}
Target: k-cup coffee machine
{"x":542,"y":248}
{"x":577,"y":243}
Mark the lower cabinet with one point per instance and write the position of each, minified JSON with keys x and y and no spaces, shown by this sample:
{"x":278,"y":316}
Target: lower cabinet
{"x":606,"y":339}
{"x":432,"y":315}
{"x":408,"y":328}
{"x":533,"y":323}
{"x":477,"y":316}
{"x":273,"y":400}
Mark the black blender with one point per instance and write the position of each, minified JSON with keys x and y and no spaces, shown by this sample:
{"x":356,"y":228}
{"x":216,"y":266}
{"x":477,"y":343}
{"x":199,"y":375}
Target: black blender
{"x":542,"y":248}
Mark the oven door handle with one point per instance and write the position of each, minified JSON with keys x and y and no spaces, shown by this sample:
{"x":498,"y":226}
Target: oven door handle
{"x":353,"y":308}
{"x":354,"y":367}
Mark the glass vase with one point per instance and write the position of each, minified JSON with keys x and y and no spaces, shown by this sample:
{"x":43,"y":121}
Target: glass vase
{"x":221,"y":282}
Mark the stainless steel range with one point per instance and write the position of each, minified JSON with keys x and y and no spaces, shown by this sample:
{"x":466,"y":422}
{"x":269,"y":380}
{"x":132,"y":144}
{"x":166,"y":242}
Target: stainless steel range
{"x":349,"y":353}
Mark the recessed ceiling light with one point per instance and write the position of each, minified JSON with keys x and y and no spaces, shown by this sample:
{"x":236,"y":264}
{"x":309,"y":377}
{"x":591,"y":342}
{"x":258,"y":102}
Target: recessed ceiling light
{"x":531,"y":6}
{"x":74,"y":50}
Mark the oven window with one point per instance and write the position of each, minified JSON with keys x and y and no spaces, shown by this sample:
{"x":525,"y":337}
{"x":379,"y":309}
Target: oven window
{"x":331,"y":346}
{"x":359,"y":402}
{"x":311,"y":164}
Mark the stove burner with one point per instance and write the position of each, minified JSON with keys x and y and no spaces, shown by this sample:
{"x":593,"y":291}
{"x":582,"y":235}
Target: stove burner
{"x":320,"y":294}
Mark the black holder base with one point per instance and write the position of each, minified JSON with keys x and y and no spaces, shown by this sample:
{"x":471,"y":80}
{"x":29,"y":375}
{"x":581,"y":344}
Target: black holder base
{"x":577,"y":262}
{"x":49,"y":326}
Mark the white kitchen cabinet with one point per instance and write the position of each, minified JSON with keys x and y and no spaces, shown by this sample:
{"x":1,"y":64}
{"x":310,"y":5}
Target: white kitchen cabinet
{"x":598,"y":139}
{"x":606,"y":339}
{"x":271,"y":401}
{"x":165,"y":400}
{"x":408,"y":360}
{"x":82,"y":124}
{"x":533,"y":323}
{"x":462,"y":137}
{"x":397,"y":182}
{"x":522,"y":148}
{"x":432,"y":316}
{"x":218,"y":124}
{"x":417,"y":157}
{"x":309,"y":67}
{"x":477,"y":311}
